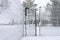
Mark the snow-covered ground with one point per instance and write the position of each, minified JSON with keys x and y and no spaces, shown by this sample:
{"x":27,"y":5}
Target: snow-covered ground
{"x":46,"y":33}
{"x":7,"y":31}
{"x":11,"y":32}
{"x":43,"y":30}
{"x":15,"y":32}
{"x":15,"y":11}
{"x":41,"y":38}
{"x":30,"y":30}
{"x":50,"y":31}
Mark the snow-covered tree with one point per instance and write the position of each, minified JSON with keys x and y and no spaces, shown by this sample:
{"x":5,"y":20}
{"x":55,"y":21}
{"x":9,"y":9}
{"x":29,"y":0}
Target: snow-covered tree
{"x":55,"y":12}
{"x":4,"y":4}
{"x":31,"y":12}
{"x":48,"y":11}
{"x":46,"y":14}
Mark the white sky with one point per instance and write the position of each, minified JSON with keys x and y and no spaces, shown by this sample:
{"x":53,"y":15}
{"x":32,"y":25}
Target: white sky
{"x":40,"y":2}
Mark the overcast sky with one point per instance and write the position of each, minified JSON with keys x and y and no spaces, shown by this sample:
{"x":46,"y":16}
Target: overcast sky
{"x":40,"y":2}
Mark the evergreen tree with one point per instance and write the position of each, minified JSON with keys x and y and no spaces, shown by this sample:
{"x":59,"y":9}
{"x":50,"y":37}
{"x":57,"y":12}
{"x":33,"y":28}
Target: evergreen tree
{"x":31,"y":12}
{"x":4,"y":4}
{"x":55,"y":12}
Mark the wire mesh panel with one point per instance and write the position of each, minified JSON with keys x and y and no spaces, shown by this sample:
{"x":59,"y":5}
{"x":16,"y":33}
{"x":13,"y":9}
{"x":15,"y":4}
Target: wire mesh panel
{"x":30,"y":23}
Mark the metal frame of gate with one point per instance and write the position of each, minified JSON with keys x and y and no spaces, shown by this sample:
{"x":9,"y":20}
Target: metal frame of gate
{"x":25,"y":21}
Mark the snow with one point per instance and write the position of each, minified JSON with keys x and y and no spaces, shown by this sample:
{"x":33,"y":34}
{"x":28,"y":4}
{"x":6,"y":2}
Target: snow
{"x":15,"y":11}
{"x":30,"y":30}
{"x":41,"y":38}
{"x":46,"y":33}
{"x":50,"y":31}
{"x":15,"y":32}
{"x":43,"y":30}
{"x":11,"y":32}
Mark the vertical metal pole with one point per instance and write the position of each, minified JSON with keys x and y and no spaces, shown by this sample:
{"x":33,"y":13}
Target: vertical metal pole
{"x":25,"y":21}
{"x":35,"y":24}
{"x":39,"y":19}
{"x":39,"y":13}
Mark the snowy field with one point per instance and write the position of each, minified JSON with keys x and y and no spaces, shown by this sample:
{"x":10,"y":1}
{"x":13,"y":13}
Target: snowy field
{"x":14,"y":12}
{"x":46,"y":33}
{"x":11,"y":32}
{"x":15,"y":32}
{"x":43,"y":30}
{"x":50,"y":31}
{"x":41,"y":38}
